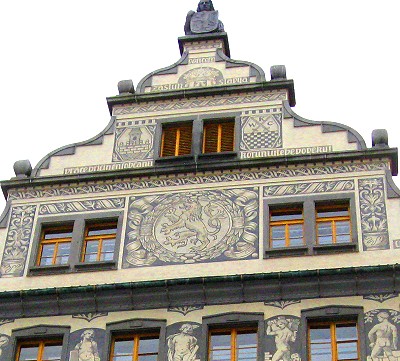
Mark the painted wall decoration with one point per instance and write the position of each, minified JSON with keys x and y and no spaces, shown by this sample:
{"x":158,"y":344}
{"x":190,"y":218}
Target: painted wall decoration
{"x":381,"y":297}
{"x":183,"y":341}
{"x":184,"y":310}
{"x":190,"y":180}
{"x":192,"y":227}
{"x":90,"y":316}
{"x":282,"y":341}
{"x":17,"y":241}
{"x":81,"y":206}
{"x":374,"y":224}
{"x":4,"y":321}
{"x":261,"y":130}
{"x":282,"y":304}
{"x":382,"y":329}
{"x":134,"y":140}
{"x":200,"y":103}
{"x":5,"y":348}
{"x":201,"y":77}
{"x":86,"y":344}
{"x":309,"y":188}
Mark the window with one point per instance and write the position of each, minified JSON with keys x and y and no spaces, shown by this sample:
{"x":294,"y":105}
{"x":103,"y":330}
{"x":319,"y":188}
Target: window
{"x":333,"y":224}
{"x":333,"y":341}
{"x":99,"y":242}
{"x":286,"y":227}
{"x":135,"y":348}
{"x":219,"y":137}
{"x":55,"y":245}
{"x":49,"y":350}
{"x":233,"y":344}
{"x":176,"y":140}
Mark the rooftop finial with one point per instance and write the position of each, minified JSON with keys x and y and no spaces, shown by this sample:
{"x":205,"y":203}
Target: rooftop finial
{"x":205,"y":20}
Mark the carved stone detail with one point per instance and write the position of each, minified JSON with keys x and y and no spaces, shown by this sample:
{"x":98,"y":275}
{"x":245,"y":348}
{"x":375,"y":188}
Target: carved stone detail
{"x":282,"y":304}
{"x":17,"y":241}
{"x":191,"y":180}
{"x":192,"y":227}
{"x":82,"y":206}
{"x":309,"y":188}
{"x":381,"y":297}
{"x":374,"y":224}
{"x":184,"y":310}
{"x":90,"y":316}
{"x":199,"y":103}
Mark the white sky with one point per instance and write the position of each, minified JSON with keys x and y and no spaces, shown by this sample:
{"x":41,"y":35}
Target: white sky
{"x":61,"y":59}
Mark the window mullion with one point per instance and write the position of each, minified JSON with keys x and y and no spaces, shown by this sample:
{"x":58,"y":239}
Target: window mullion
{"x":333,"y":342}
{"x":233,"y":344}
{"x":136,"y":348}
{"x":178,"y":139}
{"x":41,"y":351}
{"x":219,"y":138}
{"x":55,"y":253}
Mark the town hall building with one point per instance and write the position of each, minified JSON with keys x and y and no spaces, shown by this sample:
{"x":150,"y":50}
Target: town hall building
{"x":206,"y":222}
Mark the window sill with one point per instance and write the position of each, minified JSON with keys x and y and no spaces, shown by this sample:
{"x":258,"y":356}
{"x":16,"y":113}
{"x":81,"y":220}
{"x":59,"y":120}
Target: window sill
{"x":335,"y":248}
{"x":206,"y":157}
{"x":286,"y":252}
{"x":96,"y":266}
{"x":49,"y":270}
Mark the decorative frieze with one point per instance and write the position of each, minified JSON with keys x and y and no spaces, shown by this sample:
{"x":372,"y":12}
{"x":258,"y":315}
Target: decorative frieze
{"x":90,"y":316}
{"x":381,"y":297}
{"x":81,"y":206}
{"x":199,"y":103}
{"x":309,"y":188}
{"x":184,"y":310}
{"x":192,"y":227}
{"x":374,"y":224}
{"x":194,"y":180}
{"x":17,"y":241}
{"x":282,"y":304}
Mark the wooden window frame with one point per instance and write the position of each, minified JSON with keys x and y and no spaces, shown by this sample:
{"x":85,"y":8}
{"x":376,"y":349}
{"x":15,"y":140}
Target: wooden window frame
{"x":286,"y":223}
{"x":41,"y":346}
{"x":233,"y":331}
{"x":219,"y":124}
{"x":334,"y":343}
{"x":178,"y":129}
{"x":135,"y":337}
{"x":333,"y":220}
{"x":100,"y":238}
{"x":55,"y":241}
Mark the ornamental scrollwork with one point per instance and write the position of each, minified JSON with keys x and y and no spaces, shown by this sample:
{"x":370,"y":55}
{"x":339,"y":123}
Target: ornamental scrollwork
{"x":373,"y":214}
{"x":17,"y":241}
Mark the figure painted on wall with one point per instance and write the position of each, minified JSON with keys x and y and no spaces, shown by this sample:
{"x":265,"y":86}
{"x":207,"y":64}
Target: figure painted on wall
{"x":285,"y":332}
{"x":4,"y":341}
{"x":183,"y":346}
{"x":86,"y":349}
{"x":383,"y":338}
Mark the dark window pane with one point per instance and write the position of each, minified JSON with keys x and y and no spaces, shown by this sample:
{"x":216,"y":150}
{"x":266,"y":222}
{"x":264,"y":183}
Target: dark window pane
{"x":124,"y":347}
{"x":346,"y":332}
{"x":221,"y":355}
{"x":52,"y":353}
{"x":92,"y":246}
{"x":246,"y":340}
{"x":320,"y":335}
{"x":333,"y":213}
{"x":148,"y":358}
{"x":54,"y":234}
{"x":347,"y":351}
{"x":108,"y":245}
{"x":148,"y":345}
{"x":287,"y":216}
{"x":102,"y":231}
{"x":218,"y":341}
{"x":321,"y":352}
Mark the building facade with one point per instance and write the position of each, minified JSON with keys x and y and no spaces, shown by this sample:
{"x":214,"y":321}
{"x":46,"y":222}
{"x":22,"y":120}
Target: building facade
{"x":208,"y":221}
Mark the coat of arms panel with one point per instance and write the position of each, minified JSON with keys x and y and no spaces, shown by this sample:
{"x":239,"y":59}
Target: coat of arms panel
{"x":192,"y":227}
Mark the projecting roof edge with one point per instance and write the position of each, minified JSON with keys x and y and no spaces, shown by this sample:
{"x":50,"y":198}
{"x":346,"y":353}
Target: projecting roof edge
{"x":124,"y":99}
{"x":327,"y":127}
{"x":71,"y":148}
{"x":198,"y":166}
{"x":306,"y":284}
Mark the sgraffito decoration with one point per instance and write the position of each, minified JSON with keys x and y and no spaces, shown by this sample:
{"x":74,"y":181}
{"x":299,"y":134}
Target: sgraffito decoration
{"x":184,"y":310}
{"x":282,"y":341}
{"x":382,"y":328}
{"x":200,"y":103}
{"x":81,"y":206}
{"x":282,"y":304}
{"x":374,"y":224}
{"x":86,"y":344}
{"x":174,"y":181}
{"x":192,"y":227}
{"x":201,"y":77}
{"x":134,"y":141}
{"x":5,"y":347}
{"x":183,"y":341}
{"x":309,"y":188}
{"x":381,"y":297}
{"x":90,"y":316}
{"x":261,"y":130}
{"x":17,"y":241}
{"x":4,"y":321}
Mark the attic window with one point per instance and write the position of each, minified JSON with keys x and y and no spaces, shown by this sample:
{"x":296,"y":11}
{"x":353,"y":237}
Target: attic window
{"x":219,"y":136}
{"x":176,"y":140}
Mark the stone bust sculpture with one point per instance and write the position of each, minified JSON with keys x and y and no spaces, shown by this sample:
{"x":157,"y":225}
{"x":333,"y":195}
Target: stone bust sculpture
{"x":205,"y":20}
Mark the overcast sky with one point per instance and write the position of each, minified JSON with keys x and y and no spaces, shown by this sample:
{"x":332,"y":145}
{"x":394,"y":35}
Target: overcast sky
{"x":61,"y":59}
